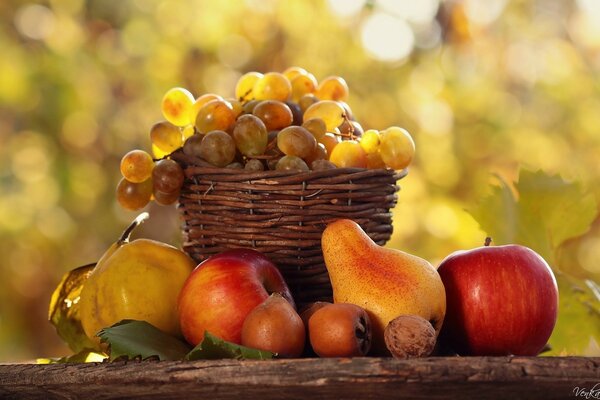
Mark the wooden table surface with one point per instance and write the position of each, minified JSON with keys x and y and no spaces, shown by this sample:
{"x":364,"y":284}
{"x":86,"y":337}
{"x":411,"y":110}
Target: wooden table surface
{"x":311,"y":378}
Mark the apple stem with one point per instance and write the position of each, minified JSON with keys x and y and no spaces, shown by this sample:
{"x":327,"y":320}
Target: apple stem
{"x":136,"y":222}
{"x":488,"y":241}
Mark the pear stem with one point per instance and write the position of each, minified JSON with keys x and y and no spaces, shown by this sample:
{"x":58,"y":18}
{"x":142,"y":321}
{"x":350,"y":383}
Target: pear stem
{"x":136,"y":222}
{"x":488,"y":241}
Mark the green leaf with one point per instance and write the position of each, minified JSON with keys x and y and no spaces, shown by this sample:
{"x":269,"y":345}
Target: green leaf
{"x":86,"y":355}
{"x":579,"y":317}
{"x":213,"y":347}
{"x":131,"y":339}
{"x":544,"y":212}
{"x":63,"y":311}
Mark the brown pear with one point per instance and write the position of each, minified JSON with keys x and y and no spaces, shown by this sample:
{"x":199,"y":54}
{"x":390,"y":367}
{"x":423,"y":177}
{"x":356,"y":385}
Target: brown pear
{"x":275,"y":326}
{"x":385,"y":282}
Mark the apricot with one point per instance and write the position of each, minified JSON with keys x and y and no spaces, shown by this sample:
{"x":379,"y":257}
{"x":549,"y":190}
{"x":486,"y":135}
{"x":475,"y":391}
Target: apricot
{"x":340,"y":330}
{"x":275,"y":326}
{"x":311,"y":309}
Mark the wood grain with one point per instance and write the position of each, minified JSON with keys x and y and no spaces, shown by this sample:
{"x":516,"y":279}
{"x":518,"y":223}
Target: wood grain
{"x":360,"y":378}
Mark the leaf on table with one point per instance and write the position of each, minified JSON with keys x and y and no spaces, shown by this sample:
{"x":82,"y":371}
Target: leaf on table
{"x":86,"y":355}
{"x":129,"y":339}
{"x":213,"y":347}
{"x":63,"y":311}
{"x":542,"y":213}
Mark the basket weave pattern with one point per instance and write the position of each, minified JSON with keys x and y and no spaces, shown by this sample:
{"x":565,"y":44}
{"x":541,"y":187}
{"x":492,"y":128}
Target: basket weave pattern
{"x":282,"y":214}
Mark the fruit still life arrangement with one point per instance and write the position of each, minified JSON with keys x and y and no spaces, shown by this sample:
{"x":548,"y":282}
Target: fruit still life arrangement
{"x":286,"y":204}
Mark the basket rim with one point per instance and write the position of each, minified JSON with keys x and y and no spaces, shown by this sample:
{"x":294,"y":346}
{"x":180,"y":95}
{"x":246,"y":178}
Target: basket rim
{"x":195,"y":165}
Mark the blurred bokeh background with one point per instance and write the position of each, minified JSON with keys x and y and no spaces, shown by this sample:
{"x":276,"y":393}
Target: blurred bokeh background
{"x":485,"y":87}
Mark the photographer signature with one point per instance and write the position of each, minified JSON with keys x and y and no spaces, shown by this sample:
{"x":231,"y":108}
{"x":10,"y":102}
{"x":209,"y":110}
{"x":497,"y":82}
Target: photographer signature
{"x":593,"y":393}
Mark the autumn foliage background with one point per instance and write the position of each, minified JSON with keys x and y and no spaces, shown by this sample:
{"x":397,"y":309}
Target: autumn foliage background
{"x":490,"y":90}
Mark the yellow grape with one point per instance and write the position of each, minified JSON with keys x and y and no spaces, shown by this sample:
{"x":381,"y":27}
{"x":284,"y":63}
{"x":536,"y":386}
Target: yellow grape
{"x":215,"y":115}
{"x":303,"y":84}
{"x":167,"y":176}
{"x":396,"y":147}
{"x":370,"y":141}
{"x":319,"y":153}
{"x":349,"y":154}
{"x":166,"y":136}
{"x":374,"y":161}
{"x":296,"y":141}
{"x":331,"y":112}
{"x":133,"y":196}
{"x":165,"y":199}
{"x":200,"y":102}
{"x":333,"y":88}
{"x":293,"y":72}
{"x":158,"y":153}
{"x":136,"y":166}
{"x":275,"y":114}
{"x":237,"y":107}
{"x":320,"y":165}
{"x":188,"y":132}
{"x":272,"y":86}
{"x":243,"y":88}
{"x":177,"y":106}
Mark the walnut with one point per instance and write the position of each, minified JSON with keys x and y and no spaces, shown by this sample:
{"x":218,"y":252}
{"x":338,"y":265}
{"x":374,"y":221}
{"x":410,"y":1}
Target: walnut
{"x":410,"y":336}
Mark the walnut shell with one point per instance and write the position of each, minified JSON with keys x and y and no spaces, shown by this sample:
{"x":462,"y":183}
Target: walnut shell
{"x":410,"y":336}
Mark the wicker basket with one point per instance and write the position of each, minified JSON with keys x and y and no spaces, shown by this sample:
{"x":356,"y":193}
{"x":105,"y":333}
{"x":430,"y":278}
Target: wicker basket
{"x":282,"y":214}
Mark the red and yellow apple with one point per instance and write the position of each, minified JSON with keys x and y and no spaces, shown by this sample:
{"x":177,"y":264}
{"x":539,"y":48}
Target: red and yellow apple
{"x":223,"y":289}
{"x":500,"y":300}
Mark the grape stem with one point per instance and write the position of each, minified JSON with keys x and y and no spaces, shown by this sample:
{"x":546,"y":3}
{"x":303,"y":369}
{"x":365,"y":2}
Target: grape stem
{"x":488,"y":241}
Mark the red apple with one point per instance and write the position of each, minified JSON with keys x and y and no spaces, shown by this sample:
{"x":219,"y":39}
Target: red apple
{"x":222,"y":290}
{"x":500,"y":300}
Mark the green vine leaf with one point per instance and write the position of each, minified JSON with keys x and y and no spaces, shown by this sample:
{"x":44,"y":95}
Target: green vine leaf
{"x":213,"y":347}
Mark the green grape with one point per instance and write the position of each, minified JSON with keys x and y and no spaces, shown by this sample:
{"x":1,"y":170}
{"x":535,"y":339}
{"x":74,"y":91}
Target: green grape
{"x":329,"y":140}
{"x":331,"y":112}
{"x":319,"y":153}
{"x":254,"y":165}
{"x":275,"y":114}
{"x":235,"y":165}
{"x":333,"y":88}
{"x":166,"y":136}
{"x":370,"y":141}
{"x":237,"y":107}
{"x":306,"y":101}
{"x":167,"y":176}
{"x":320,"y":165}
{"x":303,"y":84}
{"x":136,"y":166}
{"x":215,"y":115}
{"x":292,"y":72}
{"x":200,"y":102}
{"x":250,"y":135}
{"x":243,"y":88}
{"x":349,"y":154}
{"x":249,"y":106}
{"x":396,"y":147}
{"x":177,"y":106}
{"x":296,"y":112}
{"x":217,"y":148}
{"x":289,"y":163}
{"x":133,"y":196}
{"x":191,"y":147}
{"x":296,"y":141}
{"x":316,"y":126}
{"x":165,"y":199}
{"x":272,"y":86}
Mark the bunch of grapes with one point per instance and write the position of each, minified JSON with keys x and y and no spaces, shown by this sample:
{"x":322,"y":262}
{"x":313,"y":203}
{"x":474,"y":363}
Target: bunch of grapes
{"x":276,"y":121}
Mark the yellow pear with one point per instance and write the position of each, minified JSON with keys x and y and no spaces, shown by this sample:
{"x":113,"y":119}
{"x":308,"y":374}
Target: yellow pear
{"x":385,"y":282}
{"x":137,"y":280}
